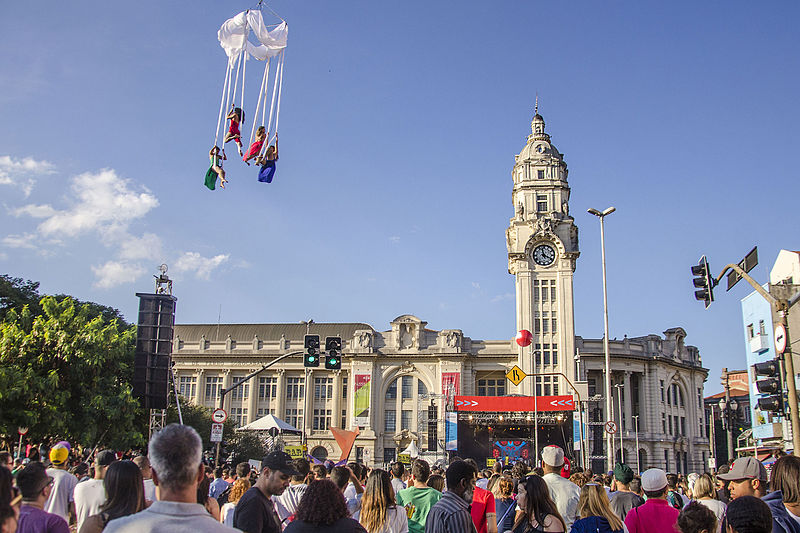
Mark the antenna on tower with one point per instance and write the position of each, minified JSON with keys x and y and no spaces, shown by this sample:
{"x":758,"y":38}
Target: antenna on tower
{"x":536,"y":107}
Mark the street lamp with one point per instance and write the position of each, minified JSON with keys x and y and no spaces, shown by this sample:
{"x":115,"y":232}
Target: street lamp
{"x":609,"y":403}
{"x":636,"y":431}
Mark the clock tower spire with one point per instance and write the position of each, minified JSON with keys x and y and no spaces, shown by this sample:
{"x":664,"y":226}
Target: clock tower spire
{"x":542,"y":241}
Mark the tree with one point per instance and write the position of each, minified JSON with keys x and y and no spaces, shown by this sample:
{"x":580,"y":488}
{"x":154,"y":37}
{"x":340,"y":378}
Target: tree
{"x":67,"y":373}
{"x":16,"y":293}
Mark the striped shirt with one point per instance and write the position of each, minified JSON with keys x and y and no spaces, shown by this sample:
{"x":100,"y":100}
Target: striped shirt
{"x":450,"y":515}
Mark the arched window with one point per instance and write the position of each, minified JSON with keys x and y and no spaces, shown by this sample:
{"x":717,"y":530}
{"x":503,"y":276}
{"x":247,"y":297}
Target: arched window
{"x":320,"y":453}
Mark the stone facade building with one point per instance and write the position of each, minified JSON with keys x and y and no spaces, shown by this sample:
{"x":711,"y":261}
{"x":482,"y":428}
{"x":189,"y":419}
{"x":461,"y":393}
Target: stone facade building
{"x":416,"y":375}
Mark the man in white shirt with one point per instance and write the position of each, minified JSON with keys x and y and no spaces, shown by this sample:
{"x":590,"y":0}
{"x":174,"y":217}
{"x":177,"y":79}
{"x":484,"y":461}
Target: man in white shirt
{"x":147,"y":476}
{"x":91,"y":494}
{"x":397,"y":477}
{"x":286,"y":503}
{"x":564,"y":492}
{"x":61,"y":496}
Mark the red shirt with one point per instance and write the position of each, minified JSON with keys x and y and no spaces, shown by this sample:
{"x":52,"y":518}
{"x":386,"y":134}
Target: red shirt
{"x":482,"y":504}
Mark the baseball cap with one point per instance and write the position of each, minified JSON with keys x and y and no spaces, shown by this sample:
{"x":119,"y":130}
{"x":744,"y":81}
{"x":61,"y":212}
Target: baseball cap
{"x":654,"y":479}
{"x":623,"y":473}
{"x":553,"y":455}
{"x":279,"y":461}
{"x":105,"y":458}
{"x":59,"y":453}
{"x":745,"y":468}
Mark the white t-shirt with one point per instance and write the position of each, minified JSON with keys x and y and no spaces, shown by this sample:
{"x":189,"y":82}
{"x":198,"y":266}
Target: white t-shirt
{"x":89,"y":496}
{"x":286,"y":503}
{"x":565,"y":494}
{"x":397,"y":485}
{"x":226,"y":514}
{"x":62,"y":493}
{"x":149,"y":490}
{"x":716,"y":506}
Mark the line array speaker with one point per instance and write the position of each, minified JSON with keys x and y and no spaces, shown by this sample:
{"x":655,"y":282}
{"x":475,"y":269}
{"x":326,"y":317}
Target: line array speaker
{"x":153,"y":349}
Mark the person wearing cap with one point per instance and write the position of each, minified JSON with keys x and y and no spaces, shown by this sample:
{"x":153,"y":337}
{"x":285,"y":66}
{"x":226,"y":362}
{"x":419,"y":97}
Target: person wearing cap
{"x":564,"y":492}
{"x":255,"y":512}
{"x":175,"y":455}
{"x":35,"y":486}
{"x":747,"y":477}
{"x":623,"y":500}
{"x":60,"y":501}
{"x":91,"y":494}
{"x":656,"y":515}
{"x":784,"y":500}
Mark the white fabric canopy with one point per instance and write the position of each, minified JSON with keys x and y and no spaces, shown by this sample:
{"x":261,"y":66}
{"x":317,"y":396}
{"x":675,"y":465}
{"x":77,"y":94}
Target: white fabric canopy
{"x":235,"y":31}
{"x":412,"y":450}
{"x":268,"y":422}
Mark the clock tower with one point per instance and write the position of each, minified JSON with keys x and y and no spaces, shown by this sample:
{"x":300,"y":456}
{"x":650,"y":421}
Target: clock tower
{"x":542,"y":242}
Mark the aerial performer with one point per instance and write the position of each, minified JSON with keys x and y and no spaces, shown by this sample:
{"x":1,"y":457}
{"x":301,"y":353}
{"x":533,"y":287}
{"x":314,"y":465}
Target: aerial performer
{"x":215,"y":169}
{"x":268,"y":45}
{"x":267,"y":163}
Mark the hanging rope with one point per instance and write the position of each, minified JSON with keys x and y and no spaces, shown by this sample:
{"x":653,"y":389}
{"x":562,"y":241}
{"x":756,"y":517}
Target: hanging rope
{"x":278,"y":69}
{"x":222,"y":101}
{"x":280,"y":90}
{"x":260,"y":101}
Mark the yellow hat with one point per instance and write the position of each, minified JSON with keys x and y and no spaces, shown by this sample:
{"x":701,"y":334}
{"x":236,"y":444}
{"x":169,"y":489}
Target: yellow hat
{"x":59,"y":454}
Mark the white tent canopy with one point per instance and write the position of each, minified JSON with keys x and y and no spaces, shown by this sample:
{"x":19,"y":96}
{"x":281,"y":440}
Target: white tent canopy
{"x":265,"y":423}
{"x":412,"y":450}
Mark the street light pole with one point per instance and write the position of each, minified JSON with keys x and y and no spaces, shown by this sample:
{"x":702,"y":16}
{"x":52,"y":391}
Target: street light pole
{"x":609,"y":403}
{"x":621,"y":445}
{"x":636,"y":431}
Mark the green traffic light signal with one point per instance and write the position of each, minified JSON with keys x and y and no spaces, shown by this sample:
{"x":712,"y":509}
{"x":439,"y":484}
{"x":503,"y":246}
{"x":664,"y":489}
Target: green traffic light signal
{"x":311,"y":344}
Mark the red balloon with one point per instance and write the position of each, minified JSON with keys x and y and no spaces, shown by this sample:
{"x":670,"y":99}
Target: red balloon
{"x":524,"y":338}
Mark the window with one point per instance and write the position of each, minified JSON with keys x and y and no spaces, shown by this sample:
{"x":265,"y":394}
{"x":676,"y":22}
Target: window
{"x":344,"y":389}
{"x":213,"y":386}
{"x":663,"y":423}
{"x":391,"y":392}
{"x":407,"y":383}
{"x":676,"y":422}
{"x":662,"y":390}
{"x":540,"y":174}
{"x":265,"y":411}
{"x":389,"y":455}
{"x":546,"y":385}
{"x":592,"y":387}
{"x":538,"y":353}
{"x":553,"y":325}
{"x":541,"y":203}
{"x":323,"y":388}
{"x":295,"y":417}
{"x":553,"y":292}
{"x":545,"y":324}
{"x":680,"y":398}
{"x":390,"y":420}
{"x":491,"y":387}
{"x":554,"y":349}
{"x":405,"y":419}
{"x":421,"y":388}
{"x":242,"y":391}
{"x":700,"y":397}
{"x":239,"y":415}
{"x":545,"y":292}
{"x":295,"y":388}
{"x":536,"y":290}
{"x":546,"y":354}
{"x":267,"y":388}
{"x":750,"y":332}
{"x":321,"y":420}
{"x":187,"y":386}
{"x":670,"y":424}
{"x":344,"y":419}
{"x":537,"y":325}
{"x":666,"y":460}
{"x":674,"y":394}
{"x":761,"y":329}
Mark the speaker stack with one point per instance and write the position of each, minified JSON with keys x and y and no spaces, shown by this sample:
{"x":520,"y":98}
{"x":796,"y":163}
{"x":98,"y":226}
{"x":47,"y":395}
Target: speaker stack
{"x":153,"y":349}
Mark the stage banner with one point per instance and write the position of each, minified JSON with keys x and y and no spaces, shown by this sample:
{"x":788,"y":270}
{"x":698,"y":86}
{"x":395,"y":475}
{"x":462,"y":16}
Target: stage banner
{"x":503,"y":404}
{"x":451,"y":384}
{"x":451,"y":431}
{"x":362,"y":399}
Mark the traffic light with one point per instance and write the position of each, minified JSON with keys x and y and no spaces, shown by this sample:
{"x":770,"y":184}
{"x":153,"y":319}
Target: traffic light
{"x":703,"y":281}
{"x":311,"y":357}
{"x":771,"y":385}
{"x":333,"y":353}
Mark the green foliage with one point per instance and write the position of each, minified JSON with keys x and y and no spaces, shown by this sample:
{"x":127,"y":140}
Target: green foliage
{"x":66,"y":373}
{"x":16,"y":293}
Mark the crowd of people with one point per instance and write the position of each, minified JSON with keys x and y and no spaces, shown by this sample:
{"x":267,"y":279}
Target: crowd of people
{"x":170,"y":489}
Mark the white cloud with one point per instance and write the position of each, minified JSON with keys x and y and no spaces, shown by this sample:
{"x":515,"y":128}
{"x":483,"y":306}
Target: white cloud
{"x":116,"y":273}
{"x":34,"y":210}
{"x":395,"y":239}
{"x":201,"y":266}
{"x":20,"y":172}
{"x":104,"y":202}
{"x":148,"y":246}
{"x":502,"y":297}
{"x":21,"y":241}
{"x":476,"y":285}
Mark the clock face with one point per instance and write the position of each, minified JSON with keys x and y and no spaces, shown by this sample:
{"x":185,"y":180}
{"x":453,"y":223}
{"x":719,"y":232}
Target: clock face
{"x":544,"y":255}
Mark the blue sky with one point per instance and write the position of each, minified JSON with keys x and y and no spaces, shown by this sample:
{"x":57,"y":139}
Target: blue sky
{"x":399,"y":125}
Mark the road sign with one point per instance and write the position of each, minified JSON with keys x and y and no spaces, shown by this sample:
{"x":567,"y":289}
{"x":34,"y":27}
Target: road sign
{"x":516,"y":375}
{"x":611,"y":427}
{"x":219,"y":416}
{"x":22,"y":431}
{"x":216,"y":432}
{"x":780,"y":338}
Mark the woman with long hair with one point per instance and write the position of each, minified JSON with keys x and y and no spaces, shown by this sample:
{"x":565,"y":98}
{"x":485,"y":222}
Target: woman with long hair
{"x":538,"y":512}
{"x":595,"y":512}
{"x":211,"y":504}
{"x":323,"y":510}
{"x":238,"y":489}
{"x":705,"y":494}
{"x":436,"y":482}
{"x":379,"y":510}
{"x":125,"y":496}
{"x":504,"y":503}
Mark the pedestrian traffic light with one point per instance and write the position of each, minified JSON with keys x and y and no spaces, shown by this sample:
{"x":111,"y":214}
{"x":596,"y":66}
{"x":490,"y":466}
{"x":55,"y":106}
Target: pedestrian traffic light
{"x":771,"y":386}
{"x":311,"y":357}
{"x":703,"y":281}
{"x":333,"y":353}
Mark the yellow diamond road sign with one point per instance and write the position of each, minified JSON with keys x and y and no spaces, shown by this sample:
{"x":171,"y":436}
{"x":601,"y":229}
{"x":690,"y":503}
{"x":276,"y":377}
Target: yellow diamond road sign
{"x":516,"y":375}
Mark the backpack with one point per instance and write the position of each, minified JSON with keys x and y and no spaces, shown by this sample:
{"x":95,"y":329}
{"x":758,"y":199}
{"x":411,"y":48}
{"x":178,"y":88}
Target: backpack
{"x":675,"y":500}
{"x":222,"y":499}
